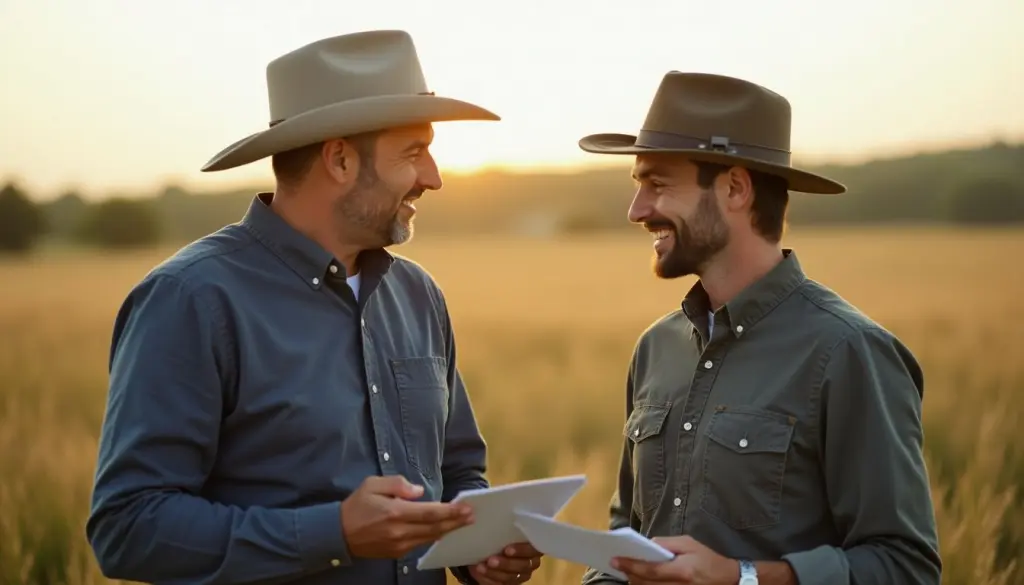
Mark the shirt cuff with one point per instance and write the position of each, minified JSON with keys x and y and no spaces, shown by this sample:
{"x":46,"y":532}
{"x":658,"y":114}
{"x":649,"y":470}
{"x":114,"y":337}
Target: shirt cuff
{"x":824,"y":565}
{"x":321,"y":540}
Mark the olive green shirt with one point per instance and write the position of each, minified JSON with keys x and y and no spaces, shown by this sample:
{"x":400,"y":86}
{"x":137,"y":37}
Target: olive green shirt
{"x":794,"y":433}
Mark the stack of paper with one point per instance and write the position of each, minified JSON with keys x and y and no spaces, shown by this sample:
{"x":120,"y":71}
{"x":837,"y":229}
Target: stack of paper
{"x":494,"y":519}
{"x":590,"y":548}
{"x":524,"y":512}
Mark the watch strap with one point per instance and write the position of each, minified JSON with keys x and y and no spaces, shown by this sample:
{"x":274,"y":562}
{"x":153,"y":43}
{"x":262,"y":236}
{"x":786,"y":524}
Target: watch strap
{"x":748,"y":572}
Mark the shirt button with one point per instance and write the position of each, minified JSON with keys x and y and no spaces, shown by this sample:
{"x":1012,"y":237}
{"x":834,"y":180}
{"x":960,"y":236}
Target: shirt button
{"x":387,"y":457}
{"x":707,"y":365}
{"x":405,"y":570}
{"x":374,"y":388}
{"x":334,"y":269}
{"x":636,"y":432}
{"x":677,"y":502}
{"x":316,"y":280}
{"x":335,"y":562}
{"x":743,"y":443}
{"x":688,"y":426}
{"x":739,"y":329}
{"x":362,"y":322}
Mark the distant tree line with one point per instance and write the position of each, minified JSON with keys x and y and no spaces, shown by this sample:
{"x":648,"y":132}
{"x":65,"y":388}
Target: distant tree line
{"x":983,"y":186}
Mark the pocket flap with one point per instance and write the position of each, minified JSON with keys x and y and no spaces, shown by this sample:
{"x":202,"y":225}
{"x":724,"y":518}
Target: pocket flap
{"x":420,"y":372}
{"x":751,"y":431}
{"x":646,"y":421}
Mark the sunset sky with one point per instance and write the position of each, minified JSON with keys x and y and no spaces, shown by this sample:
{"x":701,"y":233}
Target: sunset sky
{"x":111,"y":95}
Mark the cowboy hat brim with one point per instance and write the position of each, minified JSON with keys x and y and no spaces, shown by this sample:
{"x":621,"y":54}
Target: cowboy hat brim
{"x":345,"y":119}
{"x":801,"y":181}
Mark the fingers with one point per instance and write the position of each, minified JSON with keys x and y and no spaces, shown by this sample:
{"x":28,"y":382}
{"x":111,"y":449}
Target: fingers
{"x":645,"y":572}
{"x":510,"y":565}
{"x":515,"y":565}
{"x":678,"y":544}
{"x":490,"y":576}
{"x":411,"y":536}
{"x":523,"y":550}
{"x":431,"y":513}
{"x":394,"y":486}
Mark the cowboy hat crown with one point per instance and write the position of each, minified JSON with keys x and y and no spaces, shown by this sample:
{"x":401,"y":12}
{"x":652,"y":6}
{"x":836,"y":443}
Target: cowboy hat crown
{"x":340,"y":86}
{"x":721,"y":119}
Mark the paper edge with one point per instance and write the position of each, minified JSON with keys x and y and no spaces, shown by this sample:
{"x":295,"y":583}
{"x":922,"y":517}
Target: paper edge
{"x":580,"y":479}
{"x":622,"y":529}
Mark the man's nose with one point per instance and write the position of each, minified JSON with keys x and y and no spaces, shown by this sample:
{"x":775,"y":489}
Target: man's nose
{"x":430,"y":175}
{"x":640,"y":208}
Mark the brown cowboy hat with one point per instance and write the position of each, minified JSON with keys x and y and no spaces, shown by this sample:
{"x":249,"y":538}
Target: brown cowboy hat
{"x":340,"y":86}
{"x":717,"y":119}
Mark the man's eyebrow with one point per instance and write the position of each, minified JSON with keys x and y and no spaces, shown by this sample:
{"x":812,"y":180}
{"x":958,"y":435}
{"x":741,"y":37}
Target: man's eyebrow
{"x":417,"y":145}
{"x":646,"y":172}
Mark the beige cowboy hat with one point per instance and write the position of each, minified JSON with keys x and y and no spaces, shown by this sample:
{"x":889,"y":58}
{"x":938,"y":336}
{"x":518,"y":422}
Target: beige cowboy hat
{"x":717,"y":119}
{"x":341,"y":86}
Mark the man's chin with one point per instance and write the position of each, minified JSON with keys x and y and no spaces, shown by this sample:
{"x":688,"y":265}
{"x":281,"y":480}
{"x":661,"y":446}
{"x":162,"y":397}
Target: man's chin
{"x":668,"y":267}
{"x":401,"y":233}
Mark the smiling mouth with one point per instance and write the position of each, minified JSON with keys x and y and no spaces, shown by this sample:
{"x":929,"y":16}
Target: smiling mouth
{"x":410,"y":202}
{"x":659,"y":233}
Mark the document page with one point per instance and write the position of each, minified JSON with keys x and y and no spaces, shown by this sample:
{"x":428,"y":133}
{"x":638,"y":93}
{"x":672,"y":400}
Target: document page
{"x":494,"y":512}
{"x":590,"y":548}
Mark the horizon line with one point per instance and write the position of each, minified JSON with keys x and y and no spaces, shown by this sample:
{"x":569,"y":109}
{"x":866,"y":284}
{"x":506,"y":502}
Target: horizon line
{"x":160,"y":184}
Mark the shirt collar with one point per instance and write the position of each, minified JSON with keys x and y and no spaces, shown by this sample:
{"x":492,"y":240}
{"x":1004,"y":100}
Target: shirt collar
{"x":744,"y":310}
{"x":306,"y":258}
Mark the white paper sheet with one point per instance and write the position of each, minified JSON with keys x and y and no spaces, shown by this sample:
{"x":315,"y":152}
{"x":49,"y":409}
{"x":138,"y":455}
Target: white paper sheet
{"x":590,"y":548}
{"x":494,"y":514}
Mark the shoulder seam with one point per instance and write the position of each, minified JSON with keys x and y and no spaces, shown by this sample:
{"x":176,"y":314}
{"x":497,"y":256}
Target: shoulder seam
{"x":816,"y":302}
{"x":180,"y":269}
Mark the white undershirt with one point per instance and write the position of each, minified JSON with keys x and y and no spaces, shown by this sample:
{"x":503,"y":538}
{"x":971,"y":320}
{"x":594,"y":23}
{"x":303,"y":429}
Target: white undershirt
{"x":353,"y":283}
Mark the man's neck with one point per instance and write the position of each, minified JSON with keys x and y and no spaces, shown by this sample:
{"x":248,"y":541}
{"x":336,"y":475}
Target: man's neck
{"x":736,"y":268}
{"x":301,"y":213}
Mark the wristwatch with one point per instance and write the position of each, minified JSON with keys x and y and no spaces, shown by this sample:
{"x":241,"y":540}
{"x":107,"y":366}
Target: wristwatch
{"x":748,"y":573}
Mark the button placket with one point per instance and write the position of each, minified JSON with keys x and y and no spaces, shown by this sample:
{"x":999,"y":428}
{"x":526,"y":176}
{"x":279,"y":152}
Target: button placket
{"x":701,"y":385}
{"x":378,"y":413}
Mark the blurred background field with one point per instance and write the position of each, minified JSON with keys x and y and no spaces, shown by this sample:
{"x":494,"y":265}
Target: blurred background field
{"x":546,"y":326}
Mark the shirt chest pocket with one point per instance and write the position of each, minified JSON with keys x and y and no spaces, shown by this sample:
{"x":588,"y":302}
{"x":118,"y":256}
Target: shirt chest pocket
{"x":422,"y":388}
{"x":744,"y":466}
{"x":645,"y":430}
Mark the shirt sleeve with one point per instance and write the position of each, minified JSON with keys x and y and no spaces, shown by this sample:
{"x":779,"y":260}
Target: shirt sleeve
{"x":874,"y":469}
{"x":464,"y":463}
{"x":620,"y":508}
{"x":171,"y":361}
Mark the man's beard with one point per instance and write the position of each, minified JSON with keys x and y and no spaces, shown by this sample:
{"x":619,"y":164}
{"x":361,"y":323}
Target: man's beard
{"x":695,"y":244}
{"x":364,"y":209}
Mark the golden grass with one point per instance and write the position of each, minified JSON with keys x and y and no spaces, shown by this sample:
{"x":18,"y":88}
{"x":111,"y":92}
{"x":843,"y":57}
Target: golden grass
{"x":546,"y":329}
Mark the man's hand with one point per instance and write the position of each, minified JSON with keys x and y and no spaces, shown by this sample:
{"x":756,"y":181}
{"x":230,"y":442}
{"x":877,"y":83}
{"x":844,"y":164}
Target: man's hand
{"x":379,"y":522}
{"x":695,"y":564}
{"x":516,"y":564}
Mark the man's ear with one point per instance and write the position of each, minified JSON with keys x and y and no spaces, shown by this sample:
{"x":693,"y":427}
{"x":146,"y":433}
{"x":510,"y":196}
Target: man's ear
{"x":741,"y":189}
{"x":340,"y":160}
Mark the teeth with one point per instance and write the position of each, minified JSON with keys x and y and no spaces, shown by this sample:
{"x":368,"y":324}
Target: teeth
{"x":661,"y":234}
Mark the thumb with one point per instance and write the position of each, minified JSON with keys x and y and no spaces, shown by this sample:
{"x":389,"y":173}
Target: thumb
{"x":394,"y":486}
{"x":678,"y":544}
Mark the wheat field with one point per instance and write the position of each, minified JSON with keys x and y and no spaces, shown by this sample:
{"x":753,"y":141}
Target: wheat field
{"x":545,"y":329}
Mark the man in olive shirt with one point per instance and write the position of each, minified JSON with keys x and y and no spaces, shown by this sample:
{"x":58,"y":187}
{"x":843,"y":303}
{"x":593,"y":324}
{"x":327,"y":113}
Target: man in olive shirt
{"x":773,"y":431}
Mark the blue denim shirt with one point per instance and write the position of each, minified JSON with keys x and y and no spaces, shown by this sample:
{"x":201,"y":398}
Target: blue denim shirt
{"x":250,"y":392}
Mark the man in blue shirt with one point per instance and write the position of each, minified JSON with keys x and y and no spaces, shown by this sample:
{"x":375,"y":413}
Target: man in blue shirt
{"x":284,"y":402}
